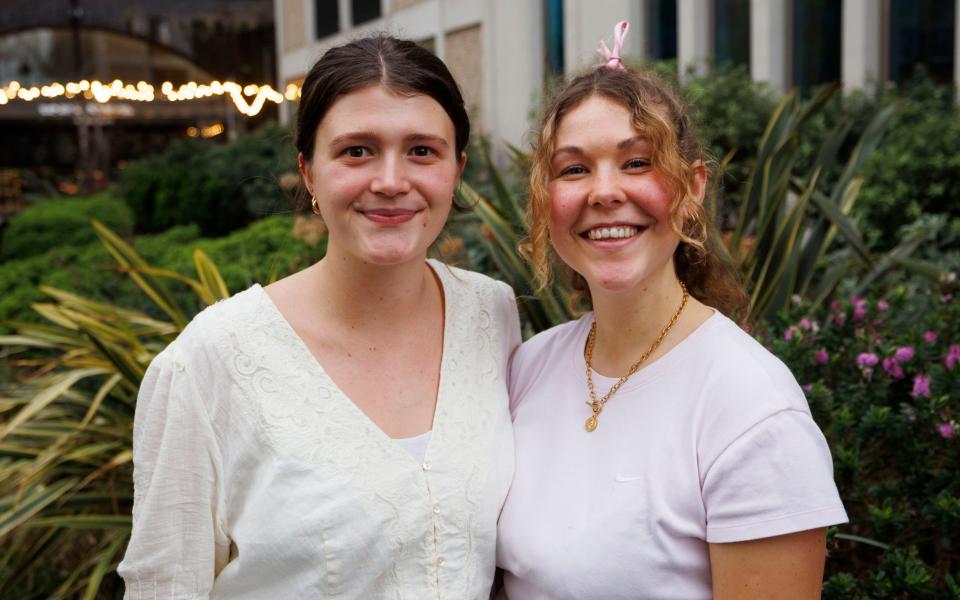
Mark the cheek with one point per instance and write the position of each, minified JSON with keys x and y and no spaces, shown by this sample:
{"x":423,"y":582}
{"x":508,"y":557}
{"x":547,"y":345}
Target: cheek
{"x":438,"y":183}
{"x":339,"y":183}
{"x":565,"y":206}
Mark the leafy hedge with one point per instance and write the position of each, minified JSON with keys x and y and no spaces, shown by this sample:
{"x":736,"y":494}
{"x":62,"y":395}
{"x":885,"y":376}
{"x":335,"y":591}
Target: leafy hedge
{"x":265,"y":250}
{"x":219,"y":187}
{"x":62,"y":222}
{"x":882,"y":376}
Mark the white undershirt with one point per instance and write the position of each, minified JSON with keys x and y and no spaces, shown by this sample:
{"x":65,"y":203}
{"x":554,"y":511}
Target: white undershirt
{"x":416,"y":445}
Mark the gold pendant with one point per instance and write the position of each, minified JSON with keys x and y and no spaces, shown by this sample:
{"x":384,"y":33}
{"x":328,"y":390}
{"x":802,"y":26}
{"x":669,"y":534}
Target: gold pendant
{"x":591,"y":423}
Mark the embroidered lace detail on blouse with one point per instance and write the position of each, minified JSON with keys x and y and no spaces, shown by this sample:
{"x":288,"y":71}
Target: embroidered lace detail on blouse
{"x":291,"y":490}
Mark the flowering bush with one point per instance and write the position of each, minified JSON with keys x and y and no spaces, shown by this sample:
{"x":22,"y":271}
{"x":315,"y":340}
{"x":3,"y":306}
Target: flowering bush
{"x":882,"y":376}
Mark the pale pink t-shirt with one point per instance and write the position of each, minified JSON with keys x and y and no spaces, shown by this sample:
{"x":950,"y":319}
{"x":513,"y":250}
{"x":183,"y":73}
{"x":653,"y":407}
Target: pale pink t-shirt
{"x":713,"y":442}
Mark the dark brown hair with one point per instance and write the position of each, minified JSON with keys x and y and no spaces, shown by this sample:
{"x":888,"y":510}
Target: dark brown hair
{"x":700,"y":260}
{"x":400,"y":65}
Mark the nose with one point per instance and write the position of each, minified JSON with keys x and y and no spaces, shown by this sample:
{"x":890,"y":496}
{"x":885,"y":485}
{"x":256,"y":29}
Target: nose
{"x":606,"y":189}
{"x":391,"y":179}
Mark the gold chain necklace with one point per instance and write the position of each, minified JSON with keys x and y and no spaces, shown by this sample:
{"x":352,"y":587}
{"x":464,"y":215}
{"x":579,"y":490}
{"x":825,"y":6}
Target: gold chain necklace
{"x":597,"y":405}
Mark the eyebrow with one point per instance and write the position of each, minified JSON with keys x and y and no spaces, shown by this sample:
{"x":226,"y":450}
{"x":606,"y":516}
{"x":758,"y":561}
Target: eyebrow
{"x":368,"y":136}
{"x":637,"y":139}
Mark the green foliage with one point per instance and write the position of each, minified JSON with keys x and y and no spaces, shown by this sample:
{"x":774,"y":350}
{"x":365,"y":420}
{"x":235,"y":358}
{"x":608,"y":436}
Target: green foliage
{"x":262,"y":252}
{"x":220,"y":187}
{"x":893,"y":429}
{"x":66,"y":423}
{"x":61,"y":222}
{"x":65,"y":440}
{"x":918,"y":171}
{"x":730,"y":111}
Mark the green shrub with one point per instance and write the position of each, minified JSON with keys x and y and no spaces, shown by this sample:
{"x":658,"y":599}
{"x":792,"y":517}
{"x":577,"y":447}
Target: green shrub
{"x":882,"y":376}
{"x":220,"y":187}
{"x":917,"y":169}
{"x":264,"y":251}
{"x":62,"y":222}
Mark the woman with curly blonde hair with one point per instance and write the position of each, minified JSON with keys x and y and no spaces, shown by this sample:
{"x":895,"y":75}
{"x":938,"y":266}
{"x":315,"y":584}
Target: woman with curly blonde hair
{"x":661,"y":452}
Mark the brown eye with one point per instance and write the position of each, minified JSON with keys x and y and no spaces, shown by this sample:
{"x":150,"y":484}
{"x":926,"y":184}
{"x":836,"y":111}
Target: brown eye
{"x":422,"y":151}
{"x":356,"y":152}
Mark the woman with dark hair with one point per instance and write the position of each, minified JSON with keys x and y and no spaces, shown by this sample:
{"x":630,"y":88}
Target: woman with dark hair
{"x":343,"y":432}
{"x":661,"y":452}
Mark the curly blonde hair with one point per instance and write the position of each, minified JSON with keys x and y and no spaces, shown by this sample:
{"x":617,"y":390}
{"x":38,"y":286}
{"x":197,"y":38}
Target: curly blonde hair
{"x":700,"y":260}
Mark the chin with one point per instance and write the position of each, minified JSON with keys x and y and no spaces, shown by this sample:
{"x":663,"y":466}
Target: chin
{"x":387,"y":256}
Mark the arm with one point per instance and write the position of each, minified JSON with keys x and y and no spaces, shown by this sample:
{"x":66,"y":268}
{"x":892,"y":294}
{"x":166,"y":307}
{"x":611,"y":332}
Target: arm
{"x":784,"y":566}
{"x":177,"y":544}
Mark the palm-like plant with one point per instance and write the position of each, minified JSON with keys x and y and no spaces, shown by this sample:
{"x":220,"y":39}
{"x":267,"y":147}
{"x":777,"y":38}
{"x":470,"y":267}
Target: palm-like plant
{"x":66,"y":429}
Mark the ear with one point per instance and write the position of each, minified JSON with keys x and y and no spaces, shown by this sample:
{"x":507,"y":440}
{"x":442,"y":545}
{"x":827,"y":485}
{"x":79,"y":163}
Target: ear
{"x":461,"y":164}
{"x":304,"y":167}
{"x":700,"y":175}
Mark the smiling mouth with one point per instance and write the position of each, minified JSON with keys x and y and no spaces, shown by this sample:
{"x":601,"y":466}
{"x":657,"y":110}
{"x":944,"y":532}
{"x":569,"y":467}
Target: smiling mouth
{"x":389,"y":216}
{"x":618,"y":232}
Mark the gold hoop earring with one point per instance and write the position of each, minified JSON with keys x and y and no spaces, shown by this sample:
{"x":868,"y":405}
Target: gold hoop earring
{"x":314,"y":205}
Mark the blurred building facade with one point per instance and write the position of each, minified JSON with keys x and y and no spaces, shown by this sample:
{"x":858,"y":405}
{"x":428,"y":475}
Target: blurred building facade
{"x":503,"y":52}
{"x":46,"y":41}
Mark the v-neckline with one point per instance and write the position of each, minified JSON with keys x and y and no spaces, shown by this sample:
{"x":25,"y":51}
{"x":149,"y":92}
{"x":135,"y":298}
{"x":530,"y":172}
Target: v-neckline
{"x":319,"y":372}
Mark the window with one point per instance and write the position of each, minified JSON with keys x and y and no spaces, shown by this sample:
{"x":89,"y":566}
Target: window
{"x":364,"y":10}
{"x":816,"y":42}
{"x":328,"y":18}
{"x":553,"y":32}
{"x":731,"y":34}
{"x":663,"y":29}
{"x":921,"y":35}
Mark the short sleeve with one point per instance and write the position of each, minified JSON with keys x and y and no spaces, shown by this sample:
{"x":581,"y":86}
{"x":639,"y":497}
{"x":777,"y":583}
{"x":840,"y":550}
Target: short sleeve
{"x":176,"y":545}
{"x":775,"y":478}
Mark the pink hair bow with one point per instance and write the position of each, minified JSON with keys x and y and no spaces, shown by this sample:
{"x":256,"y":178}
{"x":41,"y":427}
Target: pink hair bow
{"x":612,"y":60}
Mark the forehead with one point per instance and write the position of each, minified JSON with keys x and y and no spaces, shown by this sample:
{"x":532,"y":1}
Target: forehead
{"x":377,"y":108}
{"x":595,"y":117}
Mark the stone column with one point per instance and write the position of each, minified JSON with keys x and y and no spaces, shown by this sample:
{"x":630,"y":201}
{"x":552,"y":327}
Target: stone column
{"x":694,"y":36}
{"x":770,"y":42}
{"x":862,"y":36}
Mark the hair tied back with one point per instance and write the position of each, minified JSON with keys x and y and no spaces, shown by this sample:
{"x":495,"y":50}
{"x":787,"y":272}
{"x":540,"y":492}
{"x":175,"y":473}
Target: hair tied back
{"x":613,"y":60}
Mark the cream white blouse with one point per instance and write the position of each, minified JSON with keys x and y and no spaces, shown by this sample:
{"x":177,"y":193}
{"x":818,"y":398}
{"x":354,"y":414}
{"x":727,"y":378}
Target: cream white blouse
{"x":256,"y":477}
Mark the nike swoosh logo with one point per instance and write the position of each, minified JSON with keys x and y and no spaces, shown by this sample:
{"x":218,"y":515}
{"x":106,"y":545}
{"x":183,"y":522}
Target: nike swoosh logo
{"x":622,"y":478}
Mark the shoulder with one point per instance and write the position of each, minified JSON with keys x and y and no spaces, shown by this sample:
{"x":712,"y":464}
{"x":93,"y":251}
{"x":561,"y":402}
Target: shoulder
{"x":734,"y":367}
{"x":544,"y":351}
{"x":470,"y":280}
{"x":551,"y":342}
{"x":221,"y":325}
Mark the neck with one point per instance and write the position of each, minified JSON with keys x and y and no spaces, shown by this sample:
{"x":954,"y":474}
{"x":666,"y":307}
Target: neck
{"x":629,"y":321}
{"x":363,"y":295}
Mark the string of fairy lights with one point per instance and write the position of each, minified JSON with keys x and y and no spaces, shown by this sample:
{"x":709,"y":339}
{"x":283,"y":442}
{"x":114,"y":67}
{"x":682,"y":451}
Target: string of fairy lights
{"x":248,"y":99}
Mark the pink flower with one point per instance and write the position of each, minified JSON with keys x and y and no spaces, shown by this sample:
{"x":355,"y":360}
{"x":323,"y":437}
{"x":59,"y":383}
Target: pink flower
{"x":834,"y":305}
{"x":859,"y":312}
{"x":840,"y":319}
{"x":893,"y":368}
{"x":882,"y":305}
{"x":809,"y":325}
{"x":930,"y":337}
{"x":953,"y":356}
{"x":903,"y":354}
{"x":947,"y":297}
{"x":807,"y":387}
{"x":921,"y":386}
{"x":788,"y":334}
{"x":946,"y":430}
{"x":867,"y":359}
{"x":821,"y":357}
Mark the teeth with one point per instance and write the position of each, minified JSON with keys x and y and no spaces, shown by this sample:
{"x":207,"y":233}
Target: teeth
{"x":607,"y":233}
